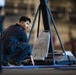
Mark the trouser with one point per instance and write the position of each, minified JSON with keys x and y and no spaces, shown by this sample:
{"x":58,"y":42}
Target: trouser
{"x":21,"y":51}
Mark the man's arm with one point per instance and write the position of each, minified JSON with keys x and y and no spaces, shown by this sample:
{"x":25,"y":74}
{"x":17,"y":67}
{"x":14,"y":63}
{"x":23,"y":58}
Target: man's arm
{"x":32,"y":61}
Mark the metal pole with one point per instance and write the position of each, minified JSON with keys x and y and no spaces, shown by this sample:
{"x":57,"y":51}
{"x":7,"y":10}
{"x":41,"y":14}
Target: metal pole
{"x":1,"y":20}
{"x":46,"y":21}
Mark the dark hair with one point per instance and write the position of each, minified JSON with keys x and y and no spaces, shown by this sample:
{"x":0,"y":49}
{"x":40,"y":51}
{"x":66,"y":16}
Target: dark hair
{"x":24,"y":18}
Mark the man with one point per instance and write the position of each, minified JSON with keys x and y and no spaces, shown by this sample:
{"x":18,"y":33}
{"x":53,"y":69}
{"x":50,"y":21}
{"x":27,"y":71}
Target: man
{"x":15,"y":42}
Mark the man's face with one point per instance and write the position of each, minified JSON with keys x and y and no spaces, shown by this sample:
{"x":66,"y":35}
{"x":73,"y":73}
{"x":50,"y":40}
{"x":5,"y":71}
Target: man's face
{"x":25,"y":24}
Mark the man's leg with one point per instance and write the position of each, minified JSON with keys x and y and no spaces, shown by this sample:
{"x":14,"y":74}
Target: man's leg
{"x":22,"y":51}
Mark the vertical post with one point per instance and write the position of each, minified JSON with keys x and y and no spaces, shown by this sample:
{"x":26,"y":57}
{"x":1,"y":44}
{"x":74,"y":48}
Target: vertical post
{"x":0,"y":42}
{"x":45,"y":15}
{"x":1,"y":31}
{"x":46,"y":21}
{"x":2,"y":3}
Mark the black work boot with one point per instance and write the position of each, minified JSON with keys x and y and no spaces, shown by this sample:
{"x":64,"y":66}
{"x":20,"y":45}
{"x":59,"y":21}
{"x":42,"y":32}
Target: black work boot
{"x":14,"y":62}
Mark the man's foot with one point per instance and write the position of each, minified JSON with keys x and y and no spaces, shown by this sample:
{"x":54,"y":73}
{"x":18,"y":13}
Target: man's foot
{"x":10,"y":64}
{"x":13,"y":63}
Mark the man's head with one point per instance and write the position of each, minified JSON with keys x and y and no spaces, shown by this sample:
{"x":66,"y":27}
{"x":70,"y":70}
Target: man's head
{"x":24,"y":22}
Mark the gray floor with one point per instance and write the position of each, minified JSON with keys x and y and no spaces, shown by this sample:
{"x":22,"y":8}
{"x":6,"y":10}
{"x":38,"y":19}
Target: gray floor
{"x":39,"y":70}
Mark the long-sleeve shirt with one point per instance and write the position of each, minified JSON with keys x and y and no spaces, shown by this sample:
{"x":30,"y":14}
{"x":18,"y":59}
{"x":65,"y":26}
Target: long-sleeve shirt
{"x":12,"y":35}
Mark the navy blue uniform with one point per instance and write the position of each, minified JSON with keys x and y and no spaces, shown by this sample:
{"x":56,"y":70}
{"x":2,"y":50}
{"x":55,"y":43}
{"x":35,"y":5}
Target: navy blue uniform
{"x":15,"y":44}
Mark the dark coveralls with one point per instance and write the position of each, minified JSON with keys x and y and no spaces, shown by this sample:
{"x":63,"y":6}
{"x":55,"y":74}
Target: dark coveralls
{"x":15,"y":44}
